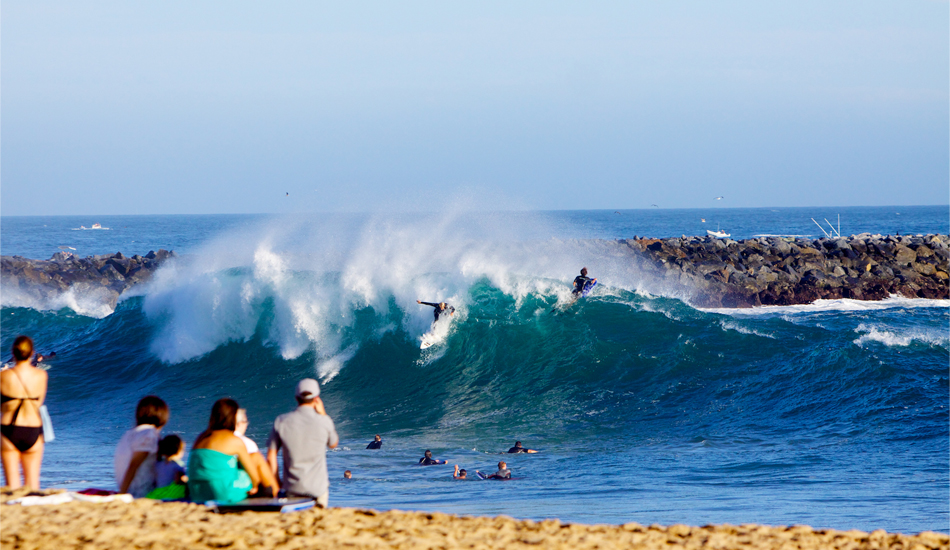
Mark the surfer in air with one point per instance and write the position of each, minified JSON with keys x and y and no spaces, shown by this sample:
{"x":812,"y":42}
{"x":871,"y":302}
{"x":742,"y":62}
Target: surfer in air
{"x":440,"y":308}
{"x":583,"y":283}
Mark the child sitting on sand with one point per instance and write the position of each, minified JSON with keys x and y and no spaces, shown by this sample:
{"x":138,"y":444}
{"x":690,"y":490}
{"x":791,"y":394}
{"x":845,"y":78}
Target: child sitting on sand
{"x":170,"y":478}
{"x":170,"y":469}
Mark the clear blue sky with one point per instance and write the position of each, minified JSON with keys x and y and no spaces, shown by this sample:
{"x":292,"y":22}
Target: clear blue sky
{"x":224,"y":107}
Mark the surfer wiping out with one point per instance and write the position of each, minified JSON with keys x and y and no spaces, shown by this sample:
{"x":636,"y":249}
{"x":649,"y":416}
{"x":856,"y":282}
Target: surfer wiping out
{"x":582,"y":282}
{"x":440,"y":308}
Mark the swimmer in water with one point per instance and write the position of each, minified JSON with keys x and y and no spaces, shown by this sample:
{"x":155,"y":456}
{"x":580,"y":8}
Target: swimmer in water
{"x":440,"y":308}
{"x":376,"y":443}
{"x":459,"y":474}
{"x":519,"y":449}
{"x":347,"y":475}
{"x":427,"y":460}
{"x":502,"y":473}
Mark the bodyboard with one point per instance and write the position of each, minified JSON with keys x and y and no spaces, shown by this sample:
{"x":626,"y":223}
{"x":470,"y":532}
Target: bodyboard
{"x":588,"y":287}
{"x":282,"y":505}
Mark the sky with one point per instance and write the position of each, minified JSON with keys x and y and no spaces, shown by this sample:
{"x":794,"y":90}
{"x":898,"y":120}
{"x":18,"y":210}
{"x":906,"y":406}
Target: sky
{"x":248,"y":107}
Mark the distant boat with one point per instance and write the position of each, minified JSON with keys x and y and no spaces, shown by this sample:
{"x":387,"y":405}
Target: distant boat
{"x":718,"y":233}
{"x":94,"y":226}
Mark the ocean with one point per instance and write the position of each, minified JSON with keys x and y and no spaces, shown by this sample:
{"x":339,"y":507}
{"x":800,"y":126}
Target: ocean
{"x":643,"y":407}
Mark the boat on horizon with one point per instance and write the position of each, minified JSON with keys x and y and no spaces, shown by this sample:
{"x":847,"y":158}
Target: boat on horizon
{"x":94,"y":226}
{"x":718,"y":233}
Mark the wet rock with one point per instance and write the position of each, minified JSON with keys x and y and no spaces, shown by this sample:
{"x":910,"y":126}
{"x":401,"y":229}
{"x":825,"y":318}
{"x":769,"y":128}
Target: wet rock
{"x":108,"y":276}
{"x":782,"y":271}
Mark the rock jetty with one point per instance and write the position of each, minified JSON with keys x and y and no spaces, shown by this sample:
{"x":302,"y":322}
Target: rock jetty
{"x":785,"y":271}
{"x":106,"y":275}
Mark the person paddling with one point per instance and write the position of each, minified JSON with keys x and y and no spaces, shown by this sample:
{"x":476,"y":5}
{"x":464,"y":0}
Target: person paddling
{"x":517,"y":449}
{"x":427,"y":460}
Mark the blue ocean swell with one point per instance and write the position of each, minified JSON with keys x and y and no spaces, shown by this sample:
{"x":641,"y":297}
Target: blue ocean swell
{"x":646,"y":409}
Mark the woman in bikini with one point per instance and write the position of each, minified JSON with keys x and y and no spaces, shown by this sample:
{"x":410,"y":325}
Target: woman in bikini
{"x":22,"y":391}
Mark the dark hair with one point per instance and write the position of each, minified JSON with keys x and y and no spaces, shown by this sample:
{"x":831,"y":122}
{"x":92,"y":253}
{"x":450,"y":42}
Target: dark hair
{"x":307,"y":401}
{"x":517,"y":443}
{"x":22,"y":348}
{"x":584,"y":271}
{"x":223,"y":417}
{"x":462,"y":472}
{"x":151,"y":410}
{"x":169,"y":446}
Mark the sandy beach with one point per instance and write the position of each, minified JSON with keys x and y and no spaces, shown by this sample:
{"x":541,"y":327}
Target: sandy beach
{"x":151,"y":524}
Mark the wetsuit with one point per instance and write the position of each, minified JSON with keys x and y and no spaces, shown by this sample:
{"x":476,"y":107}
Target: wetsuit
{"x":448,"y":309}
{"x":426,"y":461}
{"x":580,"y":282}
{"x":501,"y":474}
{"x":516,"y":450}
{"x":374,"y":445}
{"x":22,"y":437}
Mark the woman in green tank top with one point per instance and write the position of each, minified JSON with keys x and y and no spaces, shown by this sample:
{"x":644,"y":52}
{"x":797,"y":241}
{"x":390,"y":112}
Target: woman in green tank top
{"x":213,"y":472}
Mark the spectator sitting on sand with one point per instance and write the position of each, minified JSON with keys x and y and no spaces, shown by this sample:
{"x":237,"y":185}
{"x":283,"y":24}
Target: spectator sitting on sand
{"x":347,"y":475}
{"x":427,"y":460}
{"x":502,"y":473}
{"x":459,"y":474}
{"x":376,"y":443}
{"x":304,"y":434}
{"x":213,"y":472}
{"x":170,"y":478}
{"x":137,"y":451}
{"x":268,"y":479}
{"x":519,"y":449}
{"x":169,"y":468}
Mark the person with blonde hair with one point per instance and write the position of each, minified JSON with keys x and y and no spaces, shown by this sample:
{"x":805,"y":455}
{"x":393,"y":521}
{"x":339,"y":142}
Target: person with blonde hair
{"x":22,"y":393}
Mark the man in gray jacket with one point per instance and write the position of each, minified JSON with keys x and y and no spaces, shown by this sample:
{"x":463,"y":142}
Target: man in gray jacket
{"x":304,"y":434}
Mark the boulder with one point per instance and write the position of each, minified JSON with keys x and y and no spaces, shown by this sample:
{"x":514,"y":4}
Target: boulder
{"x":904,"y":255}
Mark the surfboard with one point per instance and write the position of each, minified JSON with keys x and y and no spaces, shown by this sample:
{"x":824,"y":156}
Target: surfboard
{"x":427,"y":341}
{"x":282,"y":505}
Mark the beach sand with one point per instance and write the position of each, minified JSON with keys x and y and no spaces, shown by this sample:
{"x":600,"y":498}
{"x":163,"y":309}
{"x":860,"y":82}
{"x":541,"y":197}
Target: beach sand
{"x":151,"y":524}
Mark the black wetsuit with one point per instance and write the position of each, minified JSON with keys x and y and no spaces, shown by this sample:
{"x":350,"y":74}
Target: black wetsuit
{"x":426,"y":461}
{"x":374,"y":445}
{"x":438,"y":311}
{"x":579,"y":282}
{"x":516,"y":450}
{"x":501,"y":474}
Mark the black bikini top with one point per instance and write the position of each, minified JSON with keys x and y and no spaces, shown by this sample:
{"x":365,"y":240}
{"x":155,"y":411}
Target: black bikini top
{"x":5,"y":398}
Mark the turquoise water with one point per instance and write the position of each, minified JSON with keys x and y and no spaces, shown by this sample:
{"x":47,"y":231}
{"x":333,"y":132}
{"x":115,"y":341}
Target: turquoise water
{"x":645,"y":409}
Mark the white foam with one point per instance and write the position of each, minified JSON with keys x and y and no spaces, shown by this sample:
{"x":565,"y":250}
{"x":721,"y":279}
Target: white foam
{"x":89,"y":301}
{"x":731,"y":325}
{"x":314,"y":276}
{"x":844,"y":304}
{"x":901,"y":338}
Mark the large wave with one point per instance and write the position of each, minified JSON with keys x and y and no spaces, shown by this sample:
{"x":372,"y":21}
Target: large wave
{"x":314,"y":279}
